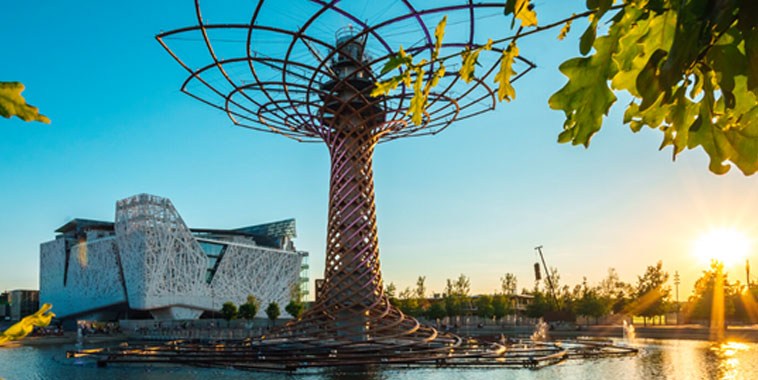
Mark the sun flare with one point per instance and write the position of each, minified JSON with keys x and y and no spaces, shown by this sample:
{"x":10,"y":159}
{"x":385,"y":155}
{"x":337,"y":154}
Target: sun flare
{"x":725,"y":245}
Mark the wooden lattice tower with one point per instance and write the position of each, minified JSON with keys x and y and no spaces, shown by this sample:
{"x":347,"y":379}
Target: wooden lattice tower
{"x":326,"y":97}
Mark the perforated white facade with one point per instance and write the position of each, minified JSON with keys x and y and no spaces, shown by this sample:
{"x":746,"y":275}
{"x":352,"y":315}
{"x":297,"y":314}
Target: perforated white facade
{"x":150,"y":260}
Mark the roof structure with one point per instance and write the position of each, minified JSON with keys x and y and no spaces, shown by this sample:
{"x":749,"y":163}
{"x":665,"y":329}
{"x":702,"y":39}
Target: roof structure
{"x":281,"y":228}
{"x":79,"y":225}
{"x":261,"y":232}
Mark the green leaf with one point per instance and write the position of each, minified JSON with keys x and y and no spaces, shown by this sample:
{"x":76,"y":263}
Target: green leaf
{"x":729,"y":134}
{"x":681,"y":117}
{"x":588,"y":37}
{"x":647,"y":82}
{"x":728,"y":62}
{"x":690,"y":36}
{"x":397,"y":60}
{"x":13,"y":104}
{"x":586,"y":97}
{"x":747,"y":23}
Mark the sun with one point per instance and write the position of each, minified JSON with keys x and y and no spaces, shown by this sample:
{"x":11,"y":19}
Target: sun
{"x":725,"y":245}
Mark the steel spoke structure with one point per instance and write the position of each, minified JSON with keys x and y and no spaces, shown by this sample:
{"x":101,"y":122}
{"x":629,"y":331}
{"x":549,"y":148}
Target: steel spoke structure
{"x":305,"y":69}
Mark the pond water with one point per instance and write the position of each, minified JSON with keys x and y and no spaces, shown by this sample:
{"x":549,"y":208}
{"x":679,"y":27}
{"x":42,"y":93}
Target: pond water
{"x":658,"y":359}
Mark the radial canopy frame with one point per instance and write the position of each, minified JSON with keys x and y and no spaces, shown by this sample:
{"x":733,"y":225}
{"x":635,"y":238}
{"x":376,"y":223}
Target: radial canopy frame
{"x":290,"y":103}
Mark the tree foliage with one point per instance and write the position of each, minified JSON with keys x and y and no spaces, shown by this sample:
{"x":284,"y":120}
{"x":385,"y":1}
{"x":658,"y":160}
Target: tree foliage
{"x":420,"y":293}
{"x":407,"y":302}
{"x":538,"y":306}
{"x":501,"y":306}
{"x":690,"y":66}
{"x":228,"y":311}
{"x":652,"y":294}
{"x":591,"y":304}
{"x":484,"y":307}
{"x":701,"y":301}
{"x":247,"y":310}
{"x":508,"y":284}
{"x":295,"y":308}
{"x":252,"y":300}
{"x":390,"y":291}
{"x":436,"y":311}
{"x":457,"y":295}
{"x":13,"y":104}
{"x":272,"y":311}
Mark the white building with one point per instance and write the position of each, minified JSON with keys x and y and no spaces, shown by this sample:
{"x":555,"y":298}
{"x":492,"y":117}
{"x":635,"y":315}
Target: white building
{"x":150,"y":263}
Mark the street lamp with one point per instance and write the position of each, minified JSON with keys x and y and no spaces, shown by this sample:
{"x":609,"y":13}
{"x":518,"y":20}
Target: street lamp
{"x":676,"y":284}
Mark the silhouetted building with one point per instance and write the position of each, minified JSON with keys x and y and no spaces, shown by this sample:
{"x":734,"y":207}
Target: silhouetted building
{"x":22,"y":303}
{"x":5,"y":309}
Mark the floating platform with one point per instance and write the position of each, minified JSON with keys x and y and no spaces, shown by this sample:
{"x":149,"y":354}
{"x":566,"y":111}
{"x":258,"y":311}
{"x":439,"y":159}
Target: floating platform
{"x":302,"y":355}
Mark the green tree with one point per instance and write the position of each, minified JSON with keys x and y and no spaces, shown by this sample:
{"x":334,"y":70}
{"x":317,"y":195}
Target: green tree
{"x":13,"y":104}
{"x":457,"y":295}
{"x":436,"y":311}
{"x":462,"y":290}
{"x":553,"y":277}
{"x":501,"y":306}
{"x":390,"y":291}
{"x":228,"y":311}
{"x":453,"y":306}
{"x":252,"y":300}
{"x":538,"y":306}
{"x":296,"y":292}
{"x":295,"y":308}
{"x":407,"y":302}
{"x":462,"y":285}
{"x":652,"y":295}
{"x":690,"y":67}
{"x":248,"y":311}
{"x":420,"y":292}
{"x":609,"y":284}
{"x":272,"y":311}
{"x":615,"y":293}
{"x":484,"y":308}
{"x":508,"y":284}
{"x":591,"y":303}
{"x":701,"y":301}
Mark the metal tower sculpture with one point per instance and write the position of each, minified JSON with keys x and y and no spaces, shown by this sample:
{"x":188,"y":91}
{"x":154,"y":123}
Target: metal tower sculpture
{"x":281,"y":73}
{"x":315,"y":87}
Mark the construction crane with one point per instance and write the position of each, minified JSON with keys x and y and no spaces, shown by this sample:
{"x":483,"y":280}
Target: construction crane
{"x":547,"y":271}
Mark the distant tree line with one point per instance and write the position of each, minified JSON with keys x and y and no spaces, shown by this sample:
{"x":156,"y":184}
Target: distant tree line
{"x":456,"y":300}
{"x":648,"y":297}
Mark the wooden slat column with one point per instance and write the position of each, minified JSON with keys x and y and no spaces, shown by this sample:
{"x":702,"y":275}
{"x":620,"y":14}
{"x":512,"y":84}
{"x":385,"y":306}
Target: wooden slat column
{"x":352,"y":275}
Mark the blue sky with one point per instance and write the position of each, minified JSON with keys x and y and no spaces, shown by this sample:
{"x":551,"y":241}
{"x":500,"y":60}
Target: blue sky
{"x":475,"y":199}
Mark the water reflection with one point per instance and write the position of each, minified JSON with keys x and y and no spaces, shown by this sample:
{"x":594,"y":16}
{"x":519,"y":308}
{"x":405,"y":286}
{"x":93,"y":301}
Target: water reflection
{"x":658,"y":359}
{"x":727,"y":356}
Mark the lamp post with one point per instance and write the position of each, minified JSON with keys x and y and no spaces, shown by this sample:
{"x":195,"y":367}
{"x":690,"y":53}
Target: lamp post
{"x":676,"y":284}
{"x":747,"y":273}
